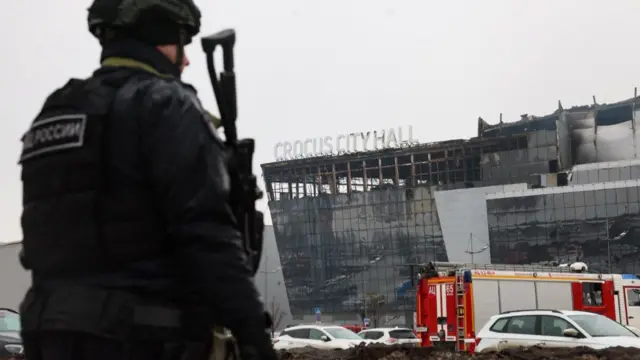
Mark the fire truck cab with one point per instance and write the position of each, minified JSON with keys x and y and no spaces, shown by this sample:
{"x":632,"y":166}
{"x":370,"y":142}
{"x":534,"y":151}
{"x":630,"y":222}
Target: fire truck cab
{"x":452,"y":299}
{"x":355,"y":328}
{"x":627,"y":295}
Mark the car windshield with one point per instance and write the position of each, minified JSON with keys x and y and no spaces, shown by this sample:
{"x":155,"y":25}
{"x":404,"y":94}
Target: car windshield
{"x":9,"y":321}
{"x":342,"y":333}
{"x":600,"y":326}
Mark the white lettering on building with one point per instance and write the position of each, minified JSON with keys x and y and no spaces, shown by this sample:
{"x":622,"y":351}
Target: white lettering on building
{"x":345,"y":143}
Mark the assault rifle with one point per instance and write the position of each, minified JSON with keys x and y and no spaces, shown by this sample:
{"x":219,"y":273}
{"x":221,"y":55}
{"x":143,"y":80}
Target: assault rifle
{"x":244,"y":187}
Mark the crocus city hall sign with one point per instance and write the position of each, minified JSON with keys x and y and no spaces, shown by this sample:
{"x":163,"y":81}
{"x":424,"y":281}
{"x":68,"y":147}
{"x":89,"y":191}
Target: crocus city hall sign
{"x":345,"y":143}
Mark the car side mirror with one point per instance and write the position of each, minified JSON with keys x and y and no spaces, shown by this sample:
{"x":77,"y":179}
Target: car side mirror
{"x":571,"y":333}
{"x":324,"y":338}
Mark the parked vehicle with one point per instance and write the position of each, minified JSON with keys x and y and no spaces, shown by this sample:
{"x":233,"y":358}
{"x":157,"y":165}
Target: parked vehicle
{"x":453,"y":299}
{"x":10,"y":341}
{"x":634,"y":329}
{"x":317,"y":336}
{"x":553,"y":328}
{"x":390,"y":336}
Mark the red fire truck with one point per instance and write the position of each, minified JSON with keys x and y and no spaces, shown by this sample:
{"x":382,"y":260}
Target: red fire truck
{"x":452,"y":299}
{"x":355,"y":328}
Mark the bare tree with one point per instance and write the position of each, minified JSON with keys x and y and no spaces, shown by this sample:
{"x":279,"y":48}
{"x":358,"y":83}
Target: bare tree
{"x":389,"y":319}
{"x":277,"y":315}
{"x":374,"y":308}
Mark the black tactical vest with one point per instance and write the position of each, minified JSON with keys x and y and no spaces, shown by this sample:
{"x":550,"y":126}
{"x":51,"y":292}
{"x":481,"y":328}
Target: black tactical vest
{"x":73,"y":222}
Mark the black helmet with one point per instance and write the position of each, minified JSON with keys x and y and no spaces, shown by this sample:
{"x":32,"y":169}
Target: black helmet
{"x":147,"y":19}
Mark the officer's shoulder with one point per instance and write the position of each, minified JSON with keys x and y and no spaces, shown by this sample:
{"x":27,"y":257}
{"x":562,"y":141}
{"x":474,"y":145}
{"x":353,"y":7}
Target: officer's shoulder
{"x":168,"y":90}
{"x":165,"y":86}
{"x":79,"y":90}
{"x":73,"y":83}
{"x":133,"y":81}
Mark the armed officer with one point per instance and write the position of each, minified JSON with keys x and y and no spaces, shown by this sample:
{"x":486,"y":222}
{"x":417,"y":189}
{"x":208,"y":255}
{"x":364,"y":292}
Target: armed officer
{"x":133,"y":248}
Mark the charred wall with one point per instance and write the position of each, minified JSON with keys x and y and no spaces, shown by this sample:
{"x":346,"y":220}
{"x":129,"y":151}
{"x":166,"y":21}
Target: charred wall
{"x":536,"y":152}
{"x":337,"y":250}
{"x":603,"y":134}
{"x":582,"y":134}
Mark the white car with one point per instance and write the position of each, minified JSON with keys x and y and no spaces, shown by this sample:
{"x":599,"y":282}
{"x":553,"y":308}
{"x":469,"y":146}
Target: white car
{"x":317,"y":336}
{"x":635,"y":330}
{"x":390,"y":336}
{"x":553,"y":328}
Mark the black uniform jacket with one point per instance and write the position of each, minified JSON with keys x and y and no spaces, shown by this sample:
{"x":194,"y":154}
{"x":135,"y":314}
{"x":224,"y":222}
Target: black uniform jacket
{"x":159,"y":139}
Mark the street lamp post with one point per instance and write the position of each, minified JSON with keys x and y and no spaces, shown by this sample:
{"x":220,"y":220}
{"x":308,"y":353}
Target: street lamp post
{"x":609,"y":239}
{"x":608,"y":245}
{"x":470,"y":250}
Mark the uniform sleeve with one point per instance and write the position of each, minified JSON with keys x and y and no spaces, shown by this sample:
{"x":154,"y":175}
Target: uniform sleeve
{"x":191,"y":185}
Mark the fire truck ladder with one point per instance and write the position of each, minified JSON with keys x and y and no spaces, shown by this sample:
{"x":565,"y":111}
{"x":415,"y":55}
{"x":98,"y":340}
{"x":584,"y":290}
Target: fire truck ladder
{"x":460,"y":309}
{"x":451,"y":266}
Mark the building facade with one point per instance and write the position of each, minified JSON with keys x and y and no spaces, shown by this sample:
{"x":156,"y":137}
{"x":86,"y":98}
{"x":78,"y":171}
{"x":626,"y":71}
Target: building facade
{"x":349,"y":227}
{"x":270,"y":282}
{"x":596,"y":223}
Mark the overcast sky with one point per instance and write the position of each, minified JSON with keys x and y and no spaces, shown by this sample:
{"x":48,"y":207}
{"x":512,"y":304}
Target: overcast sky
{"x":309,"y":68}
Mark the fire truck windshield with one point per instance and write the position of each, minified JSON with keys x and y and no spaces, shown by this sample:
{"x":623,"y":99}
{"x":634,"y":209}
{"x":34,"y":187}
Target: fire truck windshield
{"x":600,"y":326}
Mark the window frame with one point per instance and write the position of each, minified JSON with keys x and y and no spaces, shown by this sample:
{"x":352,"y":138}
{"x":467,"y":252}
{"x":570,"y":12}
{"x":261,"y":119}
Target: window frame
{"x":290,"y":332}
{"x":591,"y":289}
{"x":570,"y":325}
{"x":370,"y":332}
{"x":536,"y":324}
{"x":631,"y":292}
{"x":405,"y":331}
{"x":506,"y":320}
{"x":537,"y":327}
{"x":322,"y":333}
{"x":13,"y":318}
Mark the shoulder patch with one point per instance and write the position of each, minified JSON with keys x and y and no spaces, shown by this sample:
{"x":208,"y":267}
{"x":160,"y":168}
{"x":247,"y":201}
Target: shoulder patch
{"x":53,"y":134}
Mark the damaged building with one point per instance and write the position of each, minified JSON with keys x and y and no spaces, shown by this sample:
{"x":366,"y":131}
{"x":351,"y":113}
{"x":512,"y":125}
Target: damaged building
{"x":550,"y":189}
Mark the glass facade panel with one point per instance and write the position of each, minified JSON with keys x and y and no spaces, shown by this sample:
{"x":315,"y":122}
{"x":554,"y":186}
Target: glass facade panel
{"x":344,"y":252}
{"x":606,"y":230}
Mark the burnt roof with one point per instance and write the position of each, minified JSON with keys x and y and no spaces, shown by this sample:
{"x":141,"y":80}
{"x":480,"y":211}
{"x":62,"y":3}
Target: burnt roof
{"x":419,"y":149}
